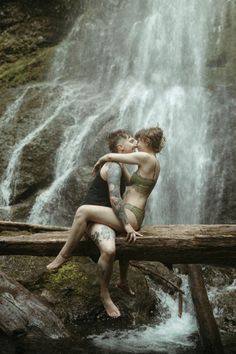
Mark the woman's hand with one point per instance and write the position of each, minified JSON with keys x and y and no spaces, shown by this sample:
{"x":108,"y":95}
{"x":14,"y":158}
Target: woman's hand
{"x":131,"y":234}
{"x":98,"y":163}
{"x":96,"y":167}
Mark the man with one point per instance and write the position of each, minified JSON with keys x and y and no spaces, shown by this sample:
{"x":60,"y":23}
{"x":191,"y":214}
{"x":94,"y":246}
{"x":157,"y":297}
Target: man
{"x":122,"y":142}
{"x":106,"y":190}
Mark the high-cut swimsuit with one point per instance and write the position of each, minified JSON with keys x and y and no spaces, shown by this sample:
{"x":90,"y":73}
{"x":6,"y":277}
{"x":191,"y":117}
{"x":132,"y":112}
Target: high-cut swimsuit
{"x":142,"y":185}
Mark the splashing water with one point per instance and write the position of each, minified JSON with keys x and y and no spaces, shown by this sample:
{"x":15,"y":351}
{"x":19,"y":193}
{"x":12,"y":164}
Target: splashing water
{"x":170,"y":336}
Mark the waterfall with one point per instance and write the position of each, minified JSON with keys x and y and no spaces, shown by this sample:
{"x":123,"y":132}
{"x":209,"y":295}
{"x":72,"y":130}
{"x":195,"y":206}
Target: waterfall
{"x":147,"y":61}
{"x":143,"y":63}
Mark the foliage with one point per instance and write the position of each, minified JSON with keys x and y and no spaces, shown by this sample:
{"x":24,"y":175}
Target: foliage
{"x":69,"y":277}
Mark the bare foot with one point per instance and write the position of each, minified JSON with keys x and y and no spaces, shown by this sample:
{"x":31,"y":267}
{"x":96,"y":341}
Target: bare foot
{"x":125,"y":287}
{"x":111,"y":309}
{"x":56,"y":263}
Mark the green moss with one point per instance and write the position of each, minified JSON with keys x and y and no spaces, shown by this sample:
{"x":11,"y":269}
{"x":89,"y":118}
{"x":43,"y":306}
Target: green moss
{"x":26,"y":69}
{"x":70,"y":276}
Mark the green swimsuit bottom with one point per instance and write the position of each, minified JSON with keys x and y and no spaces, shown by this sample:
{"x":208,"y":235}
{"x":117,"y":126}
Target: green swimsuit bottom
{"x":139,"y":213}
{"x":141,"y":185}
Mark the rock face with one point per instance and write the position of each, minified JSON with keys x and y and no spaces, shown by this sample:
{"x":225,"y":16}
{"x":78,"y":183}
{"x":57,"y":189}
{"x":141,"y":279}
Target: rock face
{"x":23,"y":314}
{"x":28,"y":30}
{"x":73,"y":292}
{"x":221,"y":81}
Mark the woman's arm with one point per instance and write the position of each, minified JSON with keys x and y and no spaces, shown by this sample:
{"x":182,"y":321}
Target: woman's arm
{"x":133,"y":158}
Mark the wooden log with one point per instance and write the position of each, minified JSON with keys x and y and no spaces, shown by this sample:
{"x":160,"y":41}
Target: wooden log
{"x":202,"y":244}
{"x":209,"y":333}
{"x":22,"y":313}
{"x":32,"y":228}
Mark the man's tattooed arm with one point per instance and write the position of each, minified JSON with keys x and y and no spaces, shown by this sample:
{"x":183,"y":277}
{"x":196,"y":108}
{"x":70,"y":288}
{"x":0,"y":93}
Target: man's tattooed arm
{"x":113,"y":179}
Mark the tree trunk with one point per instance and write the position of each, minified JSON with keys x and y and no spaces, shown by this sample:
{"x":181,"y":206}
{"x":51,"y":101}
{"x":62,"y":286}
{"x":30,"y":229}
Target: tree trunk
{"x":208,"y":329}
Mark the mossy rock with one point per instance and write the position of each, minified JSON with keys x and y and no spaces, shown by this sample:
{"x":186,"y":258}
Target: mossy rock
{"x":27,"y":69}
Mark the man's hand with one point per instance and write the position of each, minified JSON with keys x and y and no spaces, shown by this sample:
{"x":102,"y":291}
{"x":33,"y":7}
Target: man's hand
{"x":131,"y":234}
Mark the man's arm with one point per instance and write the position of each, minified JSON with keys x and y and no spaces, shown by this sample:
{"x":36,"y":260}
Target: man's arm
{"x":126,"y":174}
{"x":113,"y":180}
{"x":133,"y":158}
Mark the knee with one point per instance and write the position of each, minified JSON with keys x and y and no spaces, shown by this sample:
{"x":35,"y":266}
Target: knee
{"x":81,"y":212}
{"x":108,"y":254}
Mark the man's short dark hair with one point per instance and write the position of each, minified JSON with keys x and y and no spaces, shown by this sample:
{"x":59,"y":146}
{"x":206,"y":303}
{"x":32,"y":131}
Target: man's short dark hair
{"x":114,"y":138}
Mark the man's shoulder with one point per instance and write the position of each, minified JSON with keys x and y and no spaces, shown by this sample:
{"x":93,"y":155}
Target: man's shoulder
{"x":110,"y":168}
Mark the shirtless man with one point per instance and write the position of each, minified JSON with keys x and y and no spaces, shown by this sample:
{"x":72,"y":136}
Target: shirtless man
{"x":106,"y":190}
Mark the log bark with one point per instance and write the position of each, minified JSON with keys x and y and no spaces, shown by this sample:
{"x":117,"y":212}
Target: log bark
{"x":182,"y":244}
{"x":32,"y":228}
{"x":22,"y":313}
{"x":209,"y":333}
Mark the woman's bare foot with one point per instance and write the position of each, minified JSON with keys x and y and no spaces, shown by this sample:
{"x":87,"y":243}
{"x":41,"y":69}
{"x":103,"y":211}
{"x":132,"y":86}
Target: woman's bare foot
{"x":111,"y":309}
{"x":125,"y":287}
{"x":56,"y":263}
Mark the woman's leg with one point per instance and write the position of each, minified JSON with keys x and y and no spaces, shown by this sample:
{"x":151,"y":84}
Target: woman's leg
{"x":104,"y":237}
{"x":85,"y":214}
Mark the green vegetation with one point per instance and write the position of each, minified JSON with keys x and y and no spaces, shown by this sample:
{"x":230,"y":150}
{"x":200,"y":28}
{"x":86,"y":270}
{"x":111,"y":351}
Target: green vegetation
{"x":70,"y":276}
{"x":26,"y":69}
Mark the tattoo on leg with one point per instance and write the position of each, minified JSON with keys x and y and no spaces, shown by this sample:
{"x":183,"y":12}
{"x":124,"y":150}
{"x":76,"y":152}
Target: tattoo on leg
{"x":104,"y":234}
{"x":95,"y":236}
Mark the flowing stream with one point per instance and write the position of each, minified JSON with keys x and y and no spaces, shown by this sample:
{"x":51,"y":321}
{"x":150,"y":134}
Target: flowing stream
{"x":143,"y":63}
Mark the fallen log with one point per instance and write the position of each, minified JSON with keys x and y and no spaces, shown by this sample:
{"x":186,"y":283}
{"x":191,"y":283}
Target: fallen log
{"x":202,"y":244}
{"x":32,"y":228}
{"x":22,"y":313}
{"x":209,"y":332}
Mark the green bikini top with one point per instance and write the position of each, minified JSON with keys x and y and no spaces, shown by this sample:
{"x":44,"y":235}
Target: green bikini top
{"x":141,"y":184}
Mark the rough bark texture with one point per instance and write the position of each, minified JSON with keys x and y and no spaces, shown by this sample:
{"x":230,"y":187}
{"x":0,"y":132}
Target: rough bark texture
{"x":23,"y":313}
{"x":208,"y":329}
{"x":203,"y":244}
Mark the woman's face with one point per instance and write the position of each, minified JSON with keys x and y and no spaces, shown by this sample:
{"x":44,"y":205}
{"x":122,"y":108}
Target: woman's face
{"x":142,"y":145}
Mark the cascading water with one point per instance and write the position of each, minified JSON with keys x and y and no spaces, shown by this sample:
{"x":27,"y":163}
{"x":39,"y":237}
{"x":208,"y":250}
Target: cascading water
{"x":156,"y":338}
{"x":145,"y":62}
{"x":142,"y":62}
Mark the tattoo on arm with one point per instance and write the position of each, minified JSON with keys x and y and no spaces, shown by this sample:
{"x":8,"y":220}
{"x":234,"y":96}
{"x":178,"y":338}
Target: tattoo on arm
{"x":113,"y":180}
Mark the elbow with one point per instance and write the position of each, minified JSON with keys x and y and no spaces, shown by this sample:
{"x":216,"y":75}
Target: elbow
{"x":108,"y":157}
{"x":114,"y":201}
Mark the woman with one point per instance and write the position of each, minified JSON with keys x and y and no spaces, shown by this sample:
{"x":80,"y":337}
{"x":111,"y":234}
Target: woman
{"x":140,"y":184}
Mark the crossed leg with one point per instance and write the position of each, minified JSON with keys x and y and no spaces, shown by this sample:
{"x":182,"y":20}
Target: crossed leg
{"x":84,"y":215}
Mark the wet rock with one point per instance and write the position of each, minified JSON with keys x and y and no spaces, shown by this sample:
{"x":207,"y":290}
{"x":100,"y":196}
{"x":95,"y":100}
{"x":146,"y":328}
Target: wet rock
{"x":73,"y":292}
{"x":221,"y":292}
{"x":24,"y":314}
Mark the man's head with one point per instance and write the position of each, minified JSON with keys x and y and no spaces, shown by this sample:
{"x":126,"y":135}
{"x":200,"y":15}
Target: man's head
{"x":121,"y":141}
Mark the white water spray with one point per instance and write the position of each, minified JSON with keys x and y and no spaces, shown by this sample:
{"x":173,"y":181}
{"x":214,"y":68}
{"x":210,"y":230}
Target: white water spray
{"x":145,"y":62}
{"x":172,"y":334}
